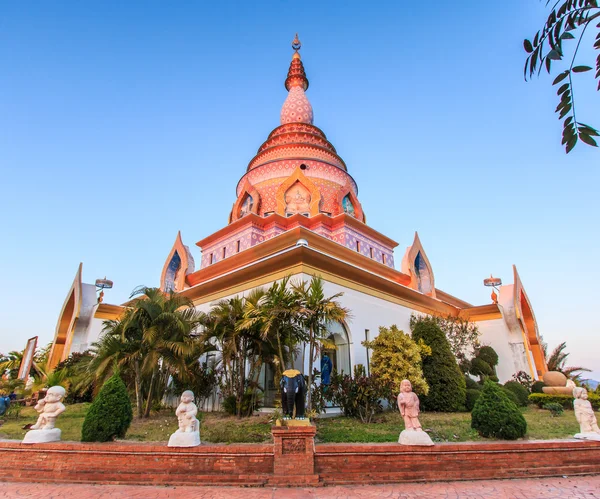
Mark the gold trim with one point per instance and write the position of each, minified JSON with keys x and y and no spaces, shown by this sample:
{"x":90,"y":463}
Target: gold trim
{"x":298,"y":176}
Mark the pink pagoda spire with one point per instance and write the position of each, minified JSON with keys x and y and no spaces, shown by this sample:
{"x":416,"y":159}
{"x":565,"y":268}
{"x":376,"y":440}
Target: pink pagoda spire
{"x":296,"y":108}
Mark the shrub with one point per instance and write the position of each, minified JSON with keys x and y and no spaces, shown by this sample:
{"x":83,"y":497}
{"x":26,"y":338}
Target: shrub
{"x":494,"y":415}
{"x":511,"y":395}
{"x":472,"y":384}
{"x":541,"y":399}
{"x":250,"y":403}
{"x":554,"y":408}
{"x":396,"y":356}
{"x":537,"y":386}
{"x":524,"y":379}
{"x":359,"y":396}
{"x":447,"y":387}
{"x":489,"y":355}
{"x":110,"y":414}
{"x":480,"y":367}
{"x":472,"y":396}
{"x":520,"y":391}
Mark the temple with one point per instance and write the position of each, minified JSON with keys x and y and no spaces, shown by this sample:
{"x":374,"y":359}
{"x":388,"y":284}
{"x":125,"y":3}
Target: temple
{"x":297,"y":212}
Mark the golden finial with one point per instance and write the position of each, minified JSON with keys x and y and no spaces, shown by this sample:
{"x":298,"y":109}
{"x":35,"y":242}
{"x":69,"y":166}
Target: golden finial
{"x":296,"y":45}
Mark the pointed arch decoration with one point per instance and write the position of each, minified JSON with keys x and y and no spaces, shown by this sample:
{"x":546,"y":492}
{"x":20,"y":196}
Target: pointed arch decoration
{"x":248,"y":192}
{"x":347,"y":192}
{"x":63,"y":336}
{"x":178,"y":265}
{"x":416,"y":264}
{"x":298,"y":176}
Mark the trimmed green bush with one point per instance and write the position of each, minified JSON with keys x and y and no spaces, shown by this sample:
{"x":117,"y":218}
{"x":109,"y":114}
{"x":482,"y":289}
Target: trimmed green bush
{"x":489,"y":355}
{"x":447,"y":387}
{"x":480,"y":367}
{"x":520,"y":391}
{"x":537,"y":386}
{"x":541,"y":399}
{"x":495,"y":416}
{"x":110,"y":414}
{"x":472,"y":396}
{"x":472,"y":384}
{"x":511,"y":395}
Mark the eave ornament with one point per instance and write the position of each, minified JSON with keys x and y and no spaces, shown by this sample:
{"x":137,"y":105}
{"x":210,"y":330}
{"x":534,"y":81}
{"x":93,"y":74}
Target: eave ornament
{"x":416,"y":264}
{"x":247,"y":202}
{"x":178,"y":265}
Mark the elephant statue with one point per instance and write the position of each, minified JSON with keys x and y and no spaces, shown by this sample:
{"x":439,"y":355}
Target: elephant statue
{"x":293,"y":391}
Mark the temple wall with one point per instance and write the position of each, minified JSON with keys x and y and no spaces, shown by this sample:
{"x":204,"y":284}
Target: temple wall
{"x":508,"y":345}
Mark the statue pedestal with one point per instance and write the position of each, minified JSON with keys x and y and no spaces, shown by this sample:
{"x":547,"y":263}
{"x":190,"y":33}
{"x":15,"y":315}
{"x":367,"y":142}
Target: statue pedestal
{"x":412,"y":437}
{"x":588,"y":436}
{"x":294,"y":455}
{"x":42,"y":436}
{"x":184,"y":439}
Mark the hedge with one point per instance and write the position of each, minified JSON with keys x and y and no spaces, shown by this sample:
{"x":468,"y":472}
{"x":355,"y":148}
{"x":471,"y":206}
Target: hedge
{"x":496,"y":416}
{"x":541,"y":399}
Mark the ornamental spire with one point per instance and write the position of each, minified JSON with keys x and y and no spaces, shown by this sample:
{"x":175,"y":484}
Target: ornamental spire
{"x":296,"y":76}
{"x":296,"y":108}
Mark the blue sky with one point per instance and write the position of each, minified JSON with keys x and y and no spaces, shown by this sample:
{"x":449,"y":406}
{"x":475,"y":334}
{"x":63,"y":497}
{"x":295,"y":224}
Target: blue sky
{"x":123,"y":122}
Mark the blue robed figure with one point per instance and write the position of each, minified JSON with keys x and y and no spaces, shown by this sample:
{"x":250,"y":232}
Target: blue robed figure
{"x":326,"y":368}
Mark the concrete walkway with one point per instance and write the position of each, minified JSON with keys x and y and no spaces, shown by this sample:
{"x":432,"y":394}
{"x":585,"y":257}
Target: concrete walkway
{"x":545,"y":488}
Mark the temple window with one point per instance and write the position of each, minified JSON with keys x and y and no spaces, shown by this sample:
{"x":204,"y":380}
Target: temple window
{"x":237,"y":246}
{"x":358,"y":246}
{"x":347,"y":205}
{"x":423,"y":274}
{"x":212,"y":258}
{"x":384,"y":258}
{"x":371,"y":252}
{"x":246,"y":206}
{"x":172,"y":273}
{"x":224,"y":252}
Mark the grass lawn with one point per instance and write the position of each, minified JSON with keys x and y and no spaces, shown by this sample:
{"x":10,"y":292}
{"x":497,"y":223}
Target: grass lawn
{"x":218,"y":427}
{"x":442,"y":427}
{"x":215,"y":427}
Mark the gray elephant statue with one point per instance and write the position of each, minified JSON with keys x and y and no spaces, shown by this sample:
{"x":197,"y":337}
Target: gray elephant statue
{"x":293,"y":392}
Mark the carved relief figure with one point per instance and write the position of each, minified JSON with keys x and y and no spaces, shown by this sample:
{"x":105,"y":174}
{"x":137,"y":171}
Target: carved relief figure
{"x":297,"y":199}
{"x":584,"y":412}
{"x":246,"y":206}
{"x":408,"y":404}
{"x":49,"y":408}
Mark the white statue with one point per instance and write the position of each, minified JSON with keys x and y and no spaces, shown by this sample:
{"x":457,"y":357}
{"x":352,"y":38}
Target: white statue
{"x":408,"y":404}
{"x":188,"y":434}
{"x":584,"y":413}
{"x":49,"y":408}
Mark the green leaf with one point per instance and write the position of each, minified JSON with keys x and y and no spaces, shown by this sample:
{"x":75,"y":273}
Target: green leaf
{"x":528,"y":47}
{"x":581,"y":69}
{"x":571,"y":144}
{"x":560,"y":77}
{"x":567,"y":36}
{"x":564,"y":111}
{"x":562,"y":88}
{"x":554,"y":55}
{"x":587,"y":139}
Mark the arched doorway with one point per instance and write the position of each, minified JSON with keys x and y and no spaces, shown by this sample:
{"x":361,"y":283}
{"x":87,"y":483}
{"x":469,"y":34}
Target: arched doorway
{"x":340,"y":354}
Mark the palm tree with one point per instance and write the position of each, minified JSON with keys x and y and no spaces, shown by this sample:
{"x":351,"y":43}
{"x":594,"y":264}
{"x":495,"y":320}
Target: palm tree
{"x":274,"y":314}
{"x":315,"y":312}
{"x":557,"y":359}
{"x":154,"y":337}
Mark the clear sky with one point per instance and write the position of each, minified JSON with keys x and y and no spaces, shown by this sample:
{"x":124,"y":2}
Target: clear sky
{"x":123,"y":122}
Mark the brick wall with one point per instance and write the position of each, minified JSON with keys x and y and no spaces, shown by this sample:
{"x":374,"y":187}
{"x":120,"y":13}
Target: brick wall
{"x":368,"y":463}
{"x":136,"y":463}
{"x":292,"y":459}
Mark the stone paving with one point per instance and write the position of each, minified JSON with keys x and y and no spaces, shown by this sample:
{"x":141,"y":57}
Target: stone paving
{"x":587,"y":487}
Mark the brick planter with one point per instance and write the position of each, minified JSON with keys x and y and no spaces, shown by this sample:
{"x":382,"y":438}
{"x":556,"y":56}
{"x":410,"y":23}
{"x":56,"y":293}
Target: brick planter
{"x":294,"y":455}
